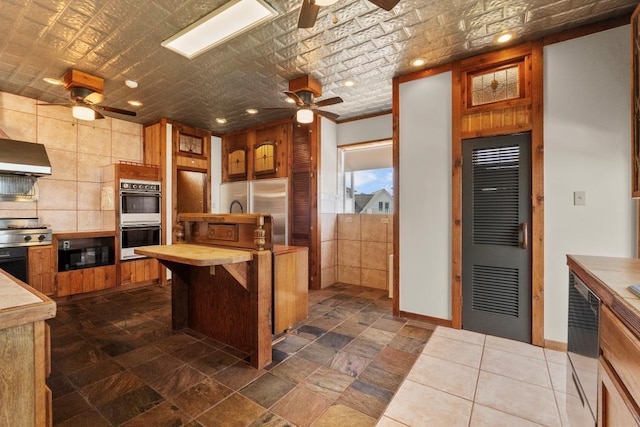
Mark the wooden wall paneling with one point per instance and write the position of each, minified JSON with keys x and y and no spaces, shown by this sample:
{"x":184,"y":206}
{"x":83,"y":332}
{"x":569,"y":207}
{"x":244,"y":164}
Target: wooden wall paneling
{"x":537,"y":195}
{"x":456,"y":196}
{"x":395,"y":116}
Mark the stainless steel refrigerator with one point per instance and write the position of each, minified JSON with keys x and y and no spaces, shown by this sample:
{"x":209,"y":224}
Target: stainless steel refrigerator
{"x":265,"y":196}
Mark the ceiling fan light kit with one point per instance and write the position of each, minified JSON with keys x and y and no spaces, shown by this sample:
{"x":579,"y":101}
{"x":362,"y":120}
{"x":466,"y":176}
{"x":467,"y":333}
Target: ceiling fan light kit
{"x":81,"y":112}
{"x":304,"y":116}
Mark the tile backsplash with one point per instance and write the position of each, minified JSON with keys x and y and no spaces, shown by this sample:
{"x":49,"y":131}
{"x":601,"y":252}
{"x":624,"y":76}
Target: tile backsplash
{"x":358,"y":250}
{"x":69,"y":199}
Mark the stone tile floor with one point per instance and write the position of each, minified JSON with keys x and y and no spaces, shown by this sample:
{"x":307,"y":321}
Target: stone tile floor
{"x":116,"y":362}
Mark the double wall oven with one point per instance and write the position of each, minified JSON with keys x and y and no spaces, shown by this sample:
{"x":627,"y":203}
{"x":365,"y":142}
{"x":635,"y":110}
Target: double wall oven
{"x":140,"y":216}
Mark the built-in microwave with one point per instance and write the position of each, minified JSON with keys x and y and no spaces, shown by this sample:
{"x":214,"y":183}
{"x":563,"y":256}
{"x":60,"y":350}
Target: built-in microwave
{"x":140,"y":202}
{"x":132,"y":237}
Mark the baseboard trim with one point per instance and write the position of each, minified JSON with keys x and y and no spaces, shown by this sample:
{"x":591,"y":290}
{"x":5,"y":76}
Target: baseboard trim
{"x":428,"y":319}
{"x":555,"y":345}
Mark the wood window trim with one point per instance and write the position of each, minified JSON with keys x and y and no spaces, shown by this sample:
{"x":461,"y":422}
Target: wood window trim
{"x":523,"y":97}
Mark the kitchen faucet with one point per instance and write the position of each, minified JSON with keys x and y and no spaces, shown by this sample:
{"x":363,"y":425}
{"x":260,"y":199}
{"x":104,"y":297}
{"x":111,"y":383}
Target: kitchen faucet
{"x":239,"y":204}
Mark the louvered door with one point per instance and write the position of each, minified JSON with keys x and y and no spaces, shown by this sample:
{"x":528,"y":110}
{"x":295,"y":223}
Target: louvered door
{"x":496,"y":254}
{"x":304,"y":194}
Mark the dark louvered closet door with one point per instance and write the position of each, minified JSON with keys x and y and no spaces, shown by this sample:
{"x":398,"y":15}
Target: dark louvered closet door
{"x":496,"y":240}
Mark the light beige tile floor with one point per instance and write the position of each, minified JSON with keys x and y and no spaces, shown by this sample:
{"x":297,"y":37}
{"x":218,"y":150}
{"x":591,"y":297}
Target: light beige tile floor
{"x":464,"y":378}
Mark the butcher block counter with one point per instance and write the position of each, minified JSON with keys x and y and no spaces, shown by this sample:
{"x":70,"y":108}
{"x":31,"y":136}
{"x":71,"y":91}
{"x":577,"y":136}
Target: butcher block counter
{"x":198,"y":255}
{"x":25,"y":364}
{"x":619,"y":335}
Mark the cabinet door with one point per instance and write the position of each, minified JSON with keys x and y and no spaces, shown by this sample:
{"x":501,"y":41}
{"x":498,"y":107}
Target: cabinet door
{"x":615,"y":406}
{"x":69,"y":282}
{"x":41,"y":269}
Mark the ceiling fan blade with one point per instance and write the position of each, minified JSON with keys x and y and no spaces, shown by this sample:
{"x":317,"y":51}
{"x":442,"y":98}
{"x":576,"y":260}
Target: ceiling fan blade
{"x":292,"y":95}
{"x":278,"y":108}
{"x":308,"y":14}
{"x":98,"y":115}
{"x":329,"y":101}
{"x":63,"y":104}
{"x":385,"y":4}
{"x":94,"y":98}
{"x":115,"y":110}
{"x":327,"y":114}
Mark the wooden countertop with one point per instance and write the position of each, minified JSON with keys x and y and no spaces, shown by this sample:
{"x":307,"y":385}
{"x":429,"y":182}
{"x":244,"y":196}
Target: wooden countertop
{"x":609,"y":278}
{"x":21,"y":304}
{"x":198,"y":255}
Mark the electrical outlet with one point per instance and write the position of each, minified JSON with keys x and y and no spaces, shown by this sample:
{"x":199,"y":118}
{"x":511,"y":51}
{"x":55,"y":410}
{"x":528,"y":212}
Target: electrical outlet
{"x":348,"y":219}
{"x":384,"y":220}
{"x":579,"y":198}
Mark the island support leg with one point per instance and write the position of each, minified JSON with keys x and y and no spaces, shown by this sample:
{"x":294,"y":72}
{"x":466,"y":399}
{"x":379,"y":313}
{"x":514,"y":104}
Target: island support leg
{"x":260,"y":308}
{"x":180,"y":279}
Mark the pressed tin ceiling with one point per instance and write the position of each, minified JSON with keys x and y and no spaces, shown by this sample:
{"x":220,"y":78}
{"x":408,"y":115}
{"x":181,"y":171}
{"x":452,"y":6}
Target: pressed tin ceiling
{"x":120,"y":39}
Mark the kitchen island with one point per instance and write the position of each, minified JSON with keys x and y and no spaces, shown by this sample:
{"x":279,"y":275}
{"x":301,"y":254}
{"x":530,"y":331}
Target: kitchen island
{"x":221,"y":281}
{"x":25,"y":399}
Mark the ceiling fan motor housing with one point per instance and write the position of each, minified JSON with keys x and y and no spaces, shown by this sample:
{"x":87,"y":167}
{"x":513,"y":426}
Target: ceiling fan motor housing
{"x":306,"y":84}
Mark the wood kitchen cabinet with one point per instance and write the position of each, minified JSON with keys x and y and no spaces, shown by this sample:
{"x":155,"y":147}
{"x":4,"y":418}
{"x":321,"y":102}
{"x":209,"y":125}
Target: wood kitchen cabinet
{"x":85,"y":280}
{"x":290,"y":286}
{"x":42,"y":269}
{"x":139,"y":271}
{"x":618,"y":373}
{"x":79,"y":279}
{"x":256,"y":153}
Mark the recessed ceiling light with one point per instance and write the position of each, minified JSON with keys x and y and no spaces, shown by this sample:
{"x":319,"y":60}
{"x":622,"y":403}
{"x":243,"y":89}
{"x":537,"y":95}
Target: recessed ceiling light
{"x":53,"y":81}
{"x":131,"y":84}
{"x":251,"y":111}
{"x":219,"y":26}
{"x":418,"y":62}
{"x":349,"y":83}
{"x":135,"y":103}
{"x":221,"y":120}
{"x":504,"y":37}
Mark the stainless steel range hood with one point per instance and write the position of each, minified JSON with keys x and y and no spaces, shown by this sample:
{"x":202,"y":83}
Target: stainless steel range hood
{"x":23,"y":158}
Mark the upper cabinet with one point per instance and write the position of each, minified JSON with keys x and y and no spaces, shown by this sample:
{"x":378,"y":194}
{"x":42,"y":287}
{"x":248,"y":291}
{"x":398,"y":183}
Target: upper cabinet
{"x":635,"y":94}
{"x":256,"y":153}
{"x":270,"y":152}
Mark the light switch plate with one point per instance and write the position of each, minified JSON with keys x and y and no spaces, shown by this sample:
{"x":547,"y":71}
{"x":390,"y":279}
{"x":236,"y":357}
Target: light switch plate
{"x":579,"y":198}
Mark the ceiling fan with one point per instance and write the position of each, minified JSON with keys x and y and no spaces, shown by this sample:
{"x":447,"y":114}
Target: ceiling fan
{"x":302,"y":91}
{"x":85,"y":92}
{"x":310,"y":8}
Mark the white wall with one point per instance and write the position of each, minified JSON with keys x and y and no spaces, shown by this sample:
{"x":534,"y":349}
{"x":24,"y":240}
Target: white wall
{"x":328,"y":166}
{"x":425,"y":196}
{"x":587,"y":148}
{"x":365,"y":130}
